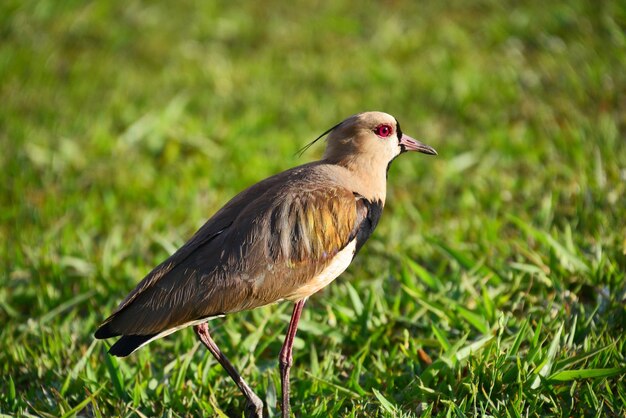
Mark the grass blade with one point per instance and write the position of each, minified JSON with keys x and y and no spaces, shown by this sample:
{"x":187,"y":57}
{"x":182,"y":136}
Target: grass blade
{"x":546,"y":365}
{"x":83,"y":403}
{"x":472,"y":348}
{"x":473,"y":319}
{"x":386,"y":405}
{"x":65,"y":306}
{"x":116,"y":376}
{"x":567,"y":258}
{"x":568,"y":375}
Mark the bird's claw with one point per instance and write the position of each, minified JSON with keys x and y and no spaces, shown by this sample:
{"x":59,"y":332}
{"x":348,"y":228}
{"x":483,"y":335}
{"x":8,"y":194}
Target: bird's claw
{"x":254,"y":409}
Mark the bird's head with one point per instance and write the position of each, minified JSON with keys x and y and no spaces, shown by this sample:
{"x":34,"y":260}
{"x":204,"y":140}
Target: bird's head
{"x":372,"y":137}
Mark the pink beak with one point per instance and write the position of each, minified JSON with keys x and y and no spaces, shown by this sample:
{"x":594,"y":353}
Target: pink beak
{"x":410,"y":144}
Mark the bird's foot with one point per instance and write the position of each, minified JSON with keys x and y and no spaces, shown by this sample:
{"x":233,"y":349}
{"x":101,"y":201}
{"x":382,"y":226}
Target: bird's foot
{"x":254,"y":408}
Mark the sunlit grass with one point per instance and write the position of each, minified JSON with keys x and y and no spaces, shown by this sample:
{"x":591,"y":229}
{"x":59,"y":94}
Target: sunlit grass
{"x":494,"y":284}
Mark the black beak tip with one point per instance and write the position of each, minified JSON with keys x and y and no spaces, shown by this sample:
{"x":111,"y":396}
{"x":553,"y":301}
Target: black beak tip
{"x":429,"y":150}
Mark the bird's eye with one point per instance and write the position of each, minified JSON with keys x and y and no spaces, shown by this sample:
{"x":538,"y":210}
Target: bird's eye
{"x":383,"y":131}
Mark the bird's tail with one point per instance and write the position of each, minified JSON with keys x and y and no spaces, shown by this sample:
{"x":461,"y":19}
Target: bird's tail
{"x":129,"y":343}
{"x":125,"y":345}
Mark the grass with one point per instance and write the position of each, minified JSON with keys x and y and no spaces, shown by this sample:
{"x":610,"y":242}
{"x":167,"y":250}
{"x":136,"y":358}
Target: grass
{"x":494,"y":285}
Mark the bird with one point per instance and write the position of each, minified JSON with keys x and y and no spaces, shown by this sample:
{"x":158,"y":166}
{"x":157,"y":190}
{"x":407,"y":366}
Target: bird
{"x":282,"y":239}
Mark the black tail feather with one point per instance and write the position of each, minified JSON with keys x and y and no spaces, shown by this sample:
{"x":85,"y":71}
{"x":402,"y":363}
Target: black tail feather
{"x":127,"y":344}
{"x":105,"y":331}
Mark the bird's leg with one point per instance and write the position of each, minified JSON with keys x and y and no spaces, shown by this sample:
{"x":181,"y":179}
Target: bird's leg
{"x":255,"y":405}
{"x":285,"y":359}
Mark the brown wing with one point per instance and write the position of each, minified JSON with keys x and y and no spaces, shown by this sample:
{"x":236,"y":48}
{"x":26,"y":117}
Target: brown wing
{"x":273,"y":239}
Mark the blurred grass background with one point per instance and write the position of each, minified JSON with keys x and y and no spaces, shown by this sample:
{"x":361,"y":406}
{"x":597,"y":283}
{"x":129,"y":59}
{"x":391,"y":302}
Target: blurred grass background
{"x":494,"y":285}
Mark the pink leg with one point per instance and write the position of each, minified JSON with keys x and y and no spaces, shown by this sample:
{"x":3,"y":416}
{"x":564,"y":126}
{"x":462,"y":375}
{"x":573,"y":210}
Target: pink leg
{"x":285,"y":358}
{"x":255,"y":405}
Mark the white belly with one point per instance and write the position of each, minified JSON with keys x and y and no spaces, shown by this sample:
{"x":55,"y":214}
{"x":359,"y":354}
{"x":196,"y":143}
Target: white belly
{"x":338,"y":265}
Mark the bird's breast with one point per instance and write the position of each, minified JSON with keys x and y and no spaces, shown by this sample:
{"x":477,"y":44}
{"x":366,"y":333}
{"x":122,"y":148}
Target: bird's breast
{"x":338,"y":265}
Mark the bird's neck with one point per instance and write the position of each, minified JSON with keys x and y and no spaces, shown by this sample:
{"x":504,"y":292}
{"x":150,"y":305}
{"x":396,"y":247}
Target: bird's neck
{"x":369,"y":177}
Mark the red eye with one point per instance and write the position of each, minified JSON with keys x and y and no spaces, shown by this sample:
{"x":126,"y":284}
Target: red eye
{"x":383,"y":131}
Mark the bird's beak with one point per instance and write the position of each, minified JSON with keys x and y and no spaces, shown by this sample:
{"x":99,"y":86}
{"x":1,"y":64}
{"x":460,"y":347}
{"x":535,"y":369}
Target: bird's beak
{"x":411,"y":144}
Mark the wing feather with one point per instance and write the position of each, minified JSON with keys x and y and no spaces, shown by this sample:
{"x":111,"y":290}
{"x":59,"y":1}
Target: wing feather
{"x":261,"y":247}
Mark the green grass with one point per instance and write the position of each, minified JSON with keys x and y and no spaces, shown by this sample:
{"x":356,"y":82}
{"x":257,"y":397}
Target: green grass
{"x":494,"y":285}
